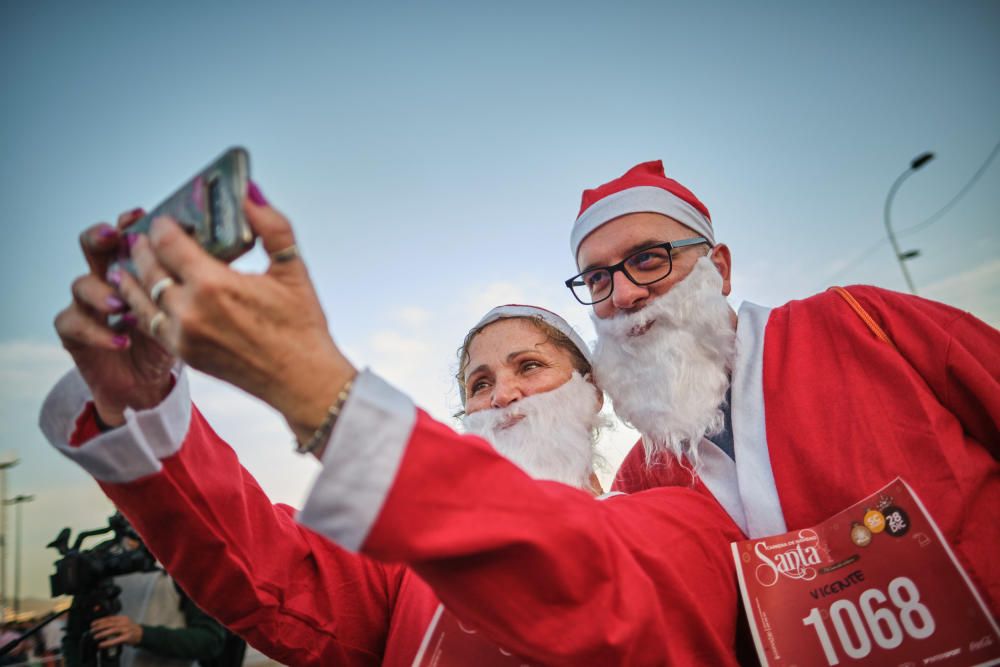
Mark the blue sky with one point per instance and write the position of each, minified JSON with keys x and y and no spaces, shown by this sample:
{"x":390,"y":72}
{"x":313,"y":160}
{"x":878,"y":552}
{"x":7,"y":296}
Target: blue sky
{"x":431,"y":157}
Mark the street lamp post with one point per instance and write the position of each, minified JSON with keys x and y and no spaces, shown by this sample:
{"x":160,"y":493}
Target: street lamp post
{"x":16,"y":501}
{"x":4,"y":465}
{"x":901,"y":257}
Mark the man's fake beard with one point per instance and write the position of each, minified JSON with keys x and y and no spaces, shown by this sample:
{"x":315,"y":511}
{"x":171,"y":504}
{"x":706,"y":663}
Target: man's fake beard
{"x":667,"y":367}
{"x":550,"y":435}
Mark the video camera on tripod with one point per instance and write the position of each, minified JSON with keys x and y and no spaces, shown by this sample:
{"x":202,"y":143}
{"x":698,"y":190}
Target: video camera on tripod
{"x":87,"y":576}
{"x":82,"y":571}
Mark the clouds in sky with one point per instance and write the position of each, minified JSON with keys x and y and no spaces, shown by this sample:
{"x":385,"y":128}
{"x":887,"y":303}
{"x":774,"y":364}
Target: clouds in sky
{"x":974,"y":289}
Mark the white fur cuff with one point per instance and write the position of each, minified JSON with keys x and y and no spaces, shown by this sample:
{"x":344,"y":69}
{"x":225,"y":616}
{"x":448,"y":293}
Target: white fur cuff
{"x":360,"y":462}
{"x":124,"y":454}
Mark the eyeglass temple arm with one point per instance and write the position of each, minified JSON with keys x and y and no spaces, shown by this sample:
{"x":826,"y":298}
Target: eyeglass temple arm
{"x":686,"y":242}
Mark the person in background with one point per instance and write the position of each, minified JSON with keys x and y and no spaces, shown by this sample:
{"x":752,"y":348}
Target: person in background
{"x":157,"y":625}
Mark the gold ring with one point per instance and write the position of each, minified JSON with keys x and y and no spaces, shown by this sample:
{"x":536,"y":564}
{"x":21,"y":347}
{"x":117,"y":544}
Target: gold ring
{"x":159,"y":287}
{"x":285,"y":254}
{"x":155,"y":322}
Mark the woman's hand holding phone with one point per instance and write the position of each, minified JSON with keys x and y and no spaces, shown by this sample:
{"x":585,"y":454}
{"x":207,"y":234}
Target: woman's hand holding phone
{"x":265,"y":333}
{"x":122,"y":369}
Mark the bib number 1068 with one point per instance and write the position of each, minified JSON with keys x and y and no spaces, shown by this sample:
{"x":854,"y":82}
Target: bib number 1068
{"x":884,"y":625}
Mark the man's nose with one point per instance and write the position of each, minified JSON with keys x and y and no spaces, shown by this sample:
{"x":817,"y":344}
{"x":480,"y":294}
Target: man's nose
{"x":505,"y":392}
{"x":627,"y":295}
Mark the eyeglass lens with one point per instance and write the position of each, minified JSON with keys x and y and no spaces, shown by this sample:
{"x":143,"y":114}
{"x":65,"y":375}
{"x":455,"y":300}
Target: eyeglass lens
{"x":642,"y":268}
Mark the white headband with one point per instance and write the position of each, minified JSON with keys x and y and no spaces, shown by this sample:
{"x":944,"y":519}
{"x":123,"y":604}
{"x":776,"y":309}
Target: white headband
{"x":547,"y":316}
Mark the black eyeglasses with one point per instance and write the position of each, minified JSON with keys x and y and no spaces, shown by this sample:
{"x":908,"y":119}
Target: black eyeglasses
{"x":644,"y":267}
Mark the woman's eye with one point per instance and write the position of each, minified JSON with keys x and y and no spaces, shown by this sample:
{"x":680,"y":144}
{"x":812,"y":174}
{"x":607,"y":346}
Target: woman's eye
{"x":478,"y":386}
{"x":530,"y":365}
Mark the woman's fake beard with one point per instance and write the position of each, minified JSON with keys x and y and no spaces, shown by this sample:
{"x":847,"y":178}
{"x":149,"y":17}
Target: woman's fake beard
{"x":667,"y":367}
{"x":550,"y":435}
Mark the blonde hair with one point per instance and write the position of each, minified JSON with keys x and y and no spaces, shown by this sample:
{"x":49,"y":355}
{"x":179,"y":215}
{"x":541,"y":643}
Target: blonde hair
{"x":552,"y":334}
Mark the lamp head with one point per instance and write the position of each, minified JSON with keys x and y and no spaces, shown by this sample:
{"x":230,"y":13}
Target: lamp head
{"x":921,"y":160}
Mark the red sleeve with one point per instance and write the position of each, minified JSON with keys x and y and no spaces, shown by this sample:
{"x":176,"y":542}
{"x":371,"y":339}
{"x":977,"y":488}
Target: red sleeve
{"x":636,"y":473}
{"x":554,"y":575}
{"x":955,"y":353}
{"x":86,"y":426}
{"x":632,"y":475}
{"x":292,"y":594}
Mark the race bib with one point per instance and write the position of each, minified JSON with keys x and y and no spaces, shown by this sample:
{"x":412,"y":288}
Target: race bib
{"x":875,"y":584}
{"x":449,"y":643}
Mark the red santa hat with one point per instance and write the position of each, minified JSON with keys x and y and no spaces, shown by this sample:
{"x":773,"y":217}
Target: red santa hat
{"x":547,"y":316}
{"x":644,"y":188}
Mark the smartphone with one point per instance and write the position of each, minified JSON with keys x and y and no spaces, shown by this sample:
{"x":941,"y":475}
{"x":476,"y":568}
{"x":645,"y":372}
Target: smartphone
{"x":210,"y":208}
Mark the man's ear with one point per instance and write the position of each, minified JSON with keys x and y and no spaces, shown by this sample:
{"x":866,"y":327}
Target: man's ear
{"x":723,"y":261}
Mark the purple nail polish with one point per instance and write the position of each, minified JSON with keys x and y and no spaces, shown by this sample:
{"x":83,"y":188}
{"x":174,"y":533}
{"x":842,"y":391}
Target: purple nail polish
{"x":131,"y":239}
{"x":115,"y":276}
{"x":120,"y":341}
{"x":256,"y":196}
{"x":130,"y":319}
{"x":114,"y":303}
{"x":107,"y":232}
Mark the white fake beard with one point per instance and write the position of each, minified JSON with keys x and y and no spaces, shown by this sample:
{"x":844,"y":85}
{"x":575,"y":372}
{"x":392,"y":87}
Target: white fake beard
{"x":669,"y":381}
{"x":549,"y":436}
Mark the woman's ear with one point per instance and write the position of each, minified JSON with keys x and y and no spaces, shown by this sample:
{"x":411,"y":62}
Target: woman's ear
{"x":589,"y":377}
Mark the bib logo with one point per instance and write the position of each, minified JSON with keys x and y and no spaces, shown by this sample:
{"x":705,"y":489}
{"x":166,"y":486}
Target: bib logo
{"x":795,"y":558}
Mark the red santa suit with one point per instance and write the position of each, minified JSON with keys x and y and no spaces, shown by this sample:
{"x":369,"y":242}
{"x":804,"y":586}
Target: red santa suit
{"x":825,"y":413}
{"x":540,"y":568}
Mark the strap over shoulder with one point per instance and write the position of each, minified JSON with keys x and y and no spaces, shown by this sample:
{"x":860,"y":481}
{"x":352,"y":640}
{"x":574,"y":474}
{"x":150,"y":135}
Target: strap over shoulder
{"x":863,"y":314}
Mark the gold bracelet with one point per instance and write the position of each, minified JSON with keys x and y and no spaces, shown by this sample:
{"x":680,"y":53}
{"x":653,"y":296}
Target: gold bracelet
{"x":323,"y":432}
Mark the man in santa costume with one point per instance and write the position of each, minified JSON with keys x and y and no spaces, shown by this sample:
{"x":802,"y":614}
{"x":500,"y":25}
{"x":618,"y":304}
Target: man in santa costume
{"x":538,"y":567}
{"x":790,"y":414}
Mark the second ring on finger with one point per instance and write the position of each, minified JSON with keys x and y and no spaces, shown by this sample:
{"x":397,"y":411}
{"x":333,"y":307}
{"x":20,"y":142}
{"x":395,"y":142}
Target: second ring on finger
{"x":156,"y":322}
{"x":156,"y":282}
{"x":159,"y":287}
{"x":153,"y":320}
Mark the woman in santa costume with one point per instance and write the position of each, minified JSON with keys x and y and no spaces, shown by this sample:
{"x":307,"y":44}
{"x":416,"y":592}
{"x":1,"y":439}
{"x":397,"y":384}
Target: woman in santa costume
{"x":511,"y":544}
